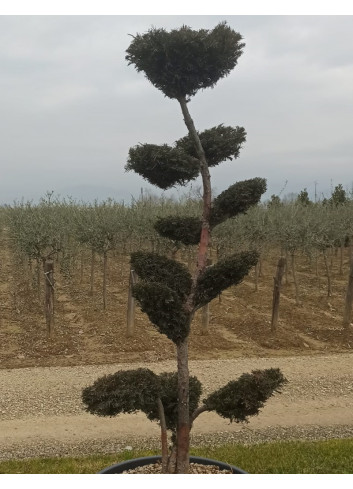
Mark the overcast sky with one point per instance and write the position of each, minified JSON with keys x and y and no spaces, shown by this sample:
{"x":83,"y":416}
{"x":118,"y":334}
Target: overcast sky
{"x":71,"y":107}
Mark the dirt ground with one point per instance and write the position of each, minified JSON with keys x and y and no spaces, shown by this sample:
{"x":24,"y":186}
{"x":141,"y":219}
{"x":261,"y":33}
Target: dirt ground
{"x":239,"y":325}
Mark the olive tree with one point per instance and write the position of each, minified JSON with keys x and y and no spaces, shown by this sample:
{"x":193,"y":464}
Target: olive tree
{"x":98,"y":226}
{"x":38,"y":232}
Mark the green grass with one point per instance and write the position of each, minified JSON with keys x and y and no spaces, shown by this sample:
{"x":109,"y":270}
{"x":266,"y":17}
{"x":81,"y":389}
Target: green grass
{"x":319,"y":457}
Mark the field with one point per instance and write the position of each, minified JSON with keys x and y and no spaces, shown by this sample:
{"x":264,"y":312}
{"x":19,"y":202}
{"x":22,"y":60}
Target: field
{"x":239,"y":324}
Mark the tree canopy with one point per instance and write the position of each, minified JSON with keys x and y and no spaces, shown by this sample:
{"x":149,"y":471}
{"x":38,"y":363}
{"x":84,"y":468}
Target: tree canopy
{"x":183,"y":61}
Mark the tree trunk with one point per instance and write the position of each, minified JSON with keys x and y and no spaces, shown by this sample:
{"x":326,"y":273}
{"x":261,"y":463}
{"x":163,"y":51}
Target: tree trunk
{"x":277,"y":292}
{"x":256,"y":277}
{"x":205,"y":311}
{"x":164,"y":437}
{"x":29,"y":278}
{"x":317,"y":270}
{"x":131,"y":306}
{"x":260,"y":268}
{"x":317,"y":265}
{"x":121,"y":260}
{"x":347,"y":316}
{"x":49,"y":295}
{"x":81,"y":268}
{"x":341,"y":259}
{"x":38,"y":279}
{"x":328,"y":272}
{"x":92,"y":273}
{"x":183,"y":429}
{"x":286,"y":268}
{"x":206,"y":182}
{"x":171,"y":467}
{"x":332,"y":253}
{"x":296,"y":285}
{"x":105,"y":261}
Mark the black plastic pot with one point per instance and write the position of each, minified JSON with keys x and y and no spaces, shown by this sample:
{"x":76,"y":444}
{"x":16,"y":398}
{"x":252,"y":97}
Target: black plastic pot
{"x":138,"y":462}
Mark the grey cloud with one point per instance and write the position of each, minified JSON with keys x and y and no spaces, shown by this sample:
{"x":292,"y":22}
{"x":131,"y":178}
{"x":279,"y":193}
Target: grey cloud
{"x":71,"y":107}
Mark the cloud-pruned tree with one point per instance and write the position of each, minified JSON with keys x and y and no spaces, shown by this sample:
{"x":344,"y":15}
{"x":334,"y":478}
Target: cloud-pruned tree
{"x":180,"y":63}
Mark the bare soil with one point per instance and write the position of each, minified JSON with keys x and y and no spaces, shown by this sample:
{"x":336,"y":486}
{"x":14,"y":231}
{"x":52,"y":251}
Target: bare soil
{"x":85,"y":334}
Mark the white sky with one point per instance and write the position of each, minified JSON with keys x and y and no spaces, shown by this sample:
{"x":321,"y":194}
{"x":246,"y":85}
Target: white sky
{"x":71,"y":107}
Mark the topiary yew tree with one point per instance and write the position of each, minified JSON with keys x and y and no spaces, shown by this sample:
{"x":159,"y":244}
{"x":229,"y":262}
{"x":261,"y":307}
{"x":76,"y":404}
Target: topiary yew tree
{"x":180,"y":63}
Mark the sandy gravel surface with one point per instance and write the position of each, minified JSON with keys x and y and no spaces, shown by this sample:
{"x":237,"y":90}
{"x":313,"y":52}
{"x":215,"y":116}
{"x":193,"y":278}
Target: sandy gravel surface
{"x":41,"y":412}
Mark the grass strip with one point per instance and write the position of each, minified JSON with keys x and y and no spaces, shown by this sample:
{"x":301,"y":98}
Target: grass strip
{"x":290,"y":457}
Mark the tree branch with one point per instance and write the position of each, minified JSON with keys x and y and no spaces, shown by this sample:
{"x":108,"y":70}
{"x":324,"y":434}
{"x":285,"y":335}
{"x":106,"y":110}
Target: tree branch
{"x":197,"y":412}
{"x":164,"y":438}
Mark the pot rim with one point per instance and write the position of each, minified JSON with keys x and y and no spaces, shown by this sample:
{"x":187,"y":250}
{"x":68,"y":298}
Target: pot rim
{"x":139,"y":462}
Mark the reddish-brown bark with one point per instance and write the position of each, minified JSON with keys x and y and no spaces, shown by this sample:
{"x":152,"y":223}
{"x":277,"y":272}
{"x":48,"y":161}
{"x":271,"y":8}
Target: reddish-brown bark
{"x":183,"y":430}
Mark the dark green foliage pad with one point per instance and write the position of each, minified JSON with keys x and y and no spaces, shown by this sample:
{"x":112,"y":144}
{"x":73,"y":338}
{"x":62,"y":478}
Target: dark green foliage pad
{"x":123,"y":392}
{"x":244,"y":397}
{"x":151,"y":267}
{"x":183,"y":61}
{"x":169,"y":398}
{"x":227,"y":272}
{"x":187,"y":230}
{"x":237,"y":199}
{"x":163,"y":165}
{"x":220,"y":143}
{"x":164,"y":309}
{"x":129,"y":391}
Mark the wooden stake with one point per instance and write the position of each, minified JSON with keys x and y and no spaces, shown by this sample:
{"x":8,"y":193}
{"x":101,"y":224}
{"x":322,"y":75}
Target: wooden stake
{"x":131,"y":306}
{"x":341,"y":259}
{"x":81,"y":268}
{"x":256,"y":277}
{"x":277,"y":292}
{"x":347,"y":316}
{"x":105,"y":261}
{"x":286,"y":267}
{"x":328,"y":273}
{"x":49,"y":295}
{"x":296,"y":285}
{"x":92,"y":273}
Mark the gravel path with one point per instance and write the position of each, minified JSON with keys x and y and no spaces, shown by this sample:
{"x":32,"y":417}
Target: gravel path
{"x":41,"y":412}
